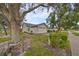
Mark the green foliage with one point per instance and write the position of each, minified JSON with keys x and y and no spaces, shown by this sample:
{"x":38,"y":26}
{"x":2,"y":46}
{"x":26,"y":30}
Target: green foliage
{"x":52,"y":19}
{"x":75,"y":28}
{"x":1,"y":28}
{"x":49,"y":31}
{"x":59,"y":39}
{"x":4,"y":39}
{"x":76,"y":33}
{"x":66,"y":16}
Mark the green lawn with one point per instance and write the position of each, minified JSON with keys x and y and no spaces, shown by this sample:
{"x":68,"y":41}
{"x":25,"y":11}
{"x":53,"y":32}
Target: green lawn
{"x":4,"y":39}
{"x":76,"y":33}
{"x":37,"y":48}
{"x":22,"y":34}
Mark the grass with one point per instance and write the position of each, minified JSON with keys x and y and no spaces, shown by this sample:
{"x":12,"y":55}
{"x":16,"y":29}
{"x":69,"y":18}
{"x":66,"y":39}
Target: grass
{"x":59,"y":39}
{"x":22,"y":35}
{"x":4,"y":39}
{"x":37,"y":48}
{"x":39,"y":37}
{"x":76,"y":33}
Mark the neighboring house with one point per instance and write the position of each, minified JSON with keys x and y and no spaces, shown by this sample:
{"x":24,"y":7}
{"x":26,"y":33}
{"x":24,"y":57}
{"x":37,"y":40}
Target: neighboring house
{"x":32,"y":28}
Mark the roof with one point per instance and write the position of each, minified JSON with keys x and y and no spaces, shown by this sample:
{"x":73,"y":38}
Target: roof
{"x":28,"y":24}
{"x":34,"y":25}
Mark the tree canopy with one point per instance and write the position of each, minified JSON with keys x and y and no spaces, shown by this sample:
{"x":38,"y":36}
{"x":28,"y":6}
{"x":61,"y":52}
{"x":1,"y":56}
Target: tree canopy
{"x":67,"y":16}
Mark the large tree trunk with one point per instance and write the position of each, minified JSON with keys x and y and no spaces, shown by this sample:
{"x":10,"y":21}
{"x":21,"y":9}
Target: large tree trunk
{"x":14,"y":26}
{"x":14,"y":32}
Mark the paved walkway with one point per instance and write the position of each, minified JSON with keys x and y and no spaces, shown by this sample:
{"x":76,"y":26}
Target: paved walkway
{"x":74,"y":41}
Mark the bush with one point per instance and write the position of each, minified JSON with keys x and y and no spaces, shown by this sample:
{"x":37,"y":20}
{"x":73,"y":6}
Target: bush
{"x":75,"y":28}
{"x":75,"y":33}
{"x":64,"y":38}
{"x":59,"y":39}
{"x":49,"y":31}
{"x":53,"y":39}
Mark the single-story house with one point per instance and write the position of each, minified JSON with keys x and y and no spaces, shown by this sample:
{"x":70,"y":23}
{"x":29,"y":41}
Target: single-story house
{"x":33,"y":28}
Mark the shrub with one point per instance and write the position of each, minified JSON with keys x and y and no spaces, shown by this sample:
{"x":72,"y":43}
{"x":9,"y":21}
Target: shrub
{"x":75,"y":33}
{"x":49,"y":31}
{"x":53,"y":39}
{"x":58,"y":39}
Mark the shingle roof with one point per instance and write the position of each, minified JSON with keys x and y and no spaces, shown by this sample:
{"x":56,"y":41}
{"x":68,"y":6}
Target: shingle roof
{"x":29,"y":24}
{"x":33,"y":25}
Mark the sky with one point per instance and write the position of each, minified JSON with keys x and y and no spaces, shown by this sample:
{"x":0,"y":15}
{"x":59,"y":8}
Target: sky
{"x":38,"y":17}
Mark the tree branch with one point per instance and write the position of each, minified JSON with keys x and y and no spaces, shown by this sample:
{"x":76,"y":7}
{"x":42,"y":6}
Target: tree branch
{"x":31,"y":9}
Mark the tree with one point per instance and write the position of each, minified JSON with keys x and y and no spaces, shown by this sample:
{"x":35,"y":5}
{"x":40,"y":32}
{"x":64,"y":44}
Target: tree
{"x":67,"y":15}
{"x":15,"y":17}
{"x":59,"y":11}
{"x":4,"y":23}
{"x":51,"y":20}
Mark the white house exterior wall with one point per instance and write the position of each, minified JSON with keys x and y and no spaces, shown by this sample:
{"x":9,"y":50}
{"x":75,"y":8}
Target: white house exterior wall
{"x":38,"y":29}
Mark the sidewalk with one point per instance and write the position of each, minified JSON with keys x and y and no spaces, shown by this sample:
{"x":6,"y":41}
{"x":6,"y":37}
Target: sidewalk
{"x":74,"y":41}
